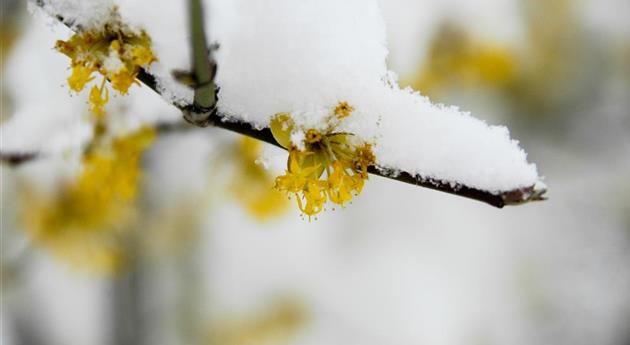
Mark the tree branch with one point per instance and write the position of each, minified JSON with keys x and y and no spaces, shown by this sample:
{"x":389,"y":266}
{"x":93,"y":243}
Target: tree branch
{"x":512,"y":197}
{"x":17,"y":158}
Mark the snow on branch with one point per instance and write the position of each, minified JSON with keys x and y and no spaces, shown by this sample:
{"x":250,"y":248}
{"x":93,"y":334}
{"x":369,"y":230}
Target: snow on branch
{"x":303,"y":58}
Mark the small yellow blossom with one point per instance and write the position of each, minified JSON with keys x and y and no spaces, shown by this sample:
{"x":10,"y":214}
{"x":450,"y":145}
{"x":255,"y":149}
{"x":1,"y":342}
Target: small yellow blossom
{"x":84,"y":223}
{"x":301,"y":168}
{"x":363,"y":159}
{"x":122,"y":80}
{"x":80,"y":76}
{"x":344,"y":158}
{"x":114,"y":50}
{"x":314,"y":198}
{"x":343,"y":109}
{"x":341,"y":184}
{"x":281,"y":127}
{"x":142,"y":55}
{"x":98,"y":98}
{"x":456,"y":59}
{"x":253,"y":185}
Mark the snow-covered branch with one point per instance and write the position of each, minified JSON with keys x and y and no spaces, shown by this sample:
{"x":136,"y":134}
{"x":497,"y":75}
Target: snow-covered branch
{"x":285,"y":62}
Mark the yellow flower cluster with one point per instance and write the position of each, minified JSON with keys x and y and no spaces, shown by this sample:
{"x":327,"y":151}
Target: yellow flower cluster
{"x":455,"y":58}
{"x":114,"y":51}
{"x":84,"y":222}
{"x":253,"y":185}
{"x":342,"y":156}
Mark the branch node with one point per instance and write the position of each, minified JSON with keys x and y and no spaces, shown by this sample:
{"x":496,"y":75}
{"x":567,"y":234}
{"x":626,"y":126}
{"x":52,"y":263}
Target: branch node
{"x":200,"y":117}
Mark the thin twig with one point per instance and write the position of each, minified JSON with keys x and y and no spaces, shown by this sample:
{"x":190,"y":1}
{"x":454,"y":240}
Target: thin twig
{"x":17,"y":158}
{"x":512,"y":197}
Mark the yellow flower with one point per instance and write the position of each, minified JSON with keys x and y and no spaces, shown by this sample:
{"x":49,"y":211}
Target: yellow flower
{"x":314,"y":198}
{"x":363,"y":159}
{"x":122,"y":80}
{"x":281,"y":127}
{"x":253,"y":185}
{"x":301,"y":169}
{"x":457,"y":59}
{"x":343,"y":109}
{"x":142,"y":55}
{"x":84,"y":223}
{"x":340,"y":184}
{"x":114,"y":50}
{"x":98,"y":99}
{"x":80,"y":76}
{"x":344,"y":158}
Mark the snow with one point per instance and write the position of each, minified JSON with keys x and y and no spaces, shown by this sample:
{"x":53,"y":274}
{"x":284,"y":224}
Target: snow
{"x":81,"y":14}
{"x":443,"y":143}
{"x":304,"y":57}
{"x":112,"y":63}
{"x":46,"y":119}
{"x":167,"y":24}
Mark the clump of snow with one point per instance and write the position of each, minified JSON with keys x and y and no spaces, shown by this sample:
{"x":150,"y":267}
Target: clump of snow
{"x":173,"y":91}
{"x":297,"y":139}
{"x":446,"y":144}
{"x":167,"y":24}
{"x":297,"y":56}
{"x":84,"y":14}
{"x":304,"y":57}
{"x":112,"y":63}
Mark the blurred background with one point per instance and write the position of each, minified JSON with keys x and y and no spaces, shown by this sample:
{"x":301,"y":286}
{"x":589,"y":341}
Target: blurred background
{"x":170,"y":235}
